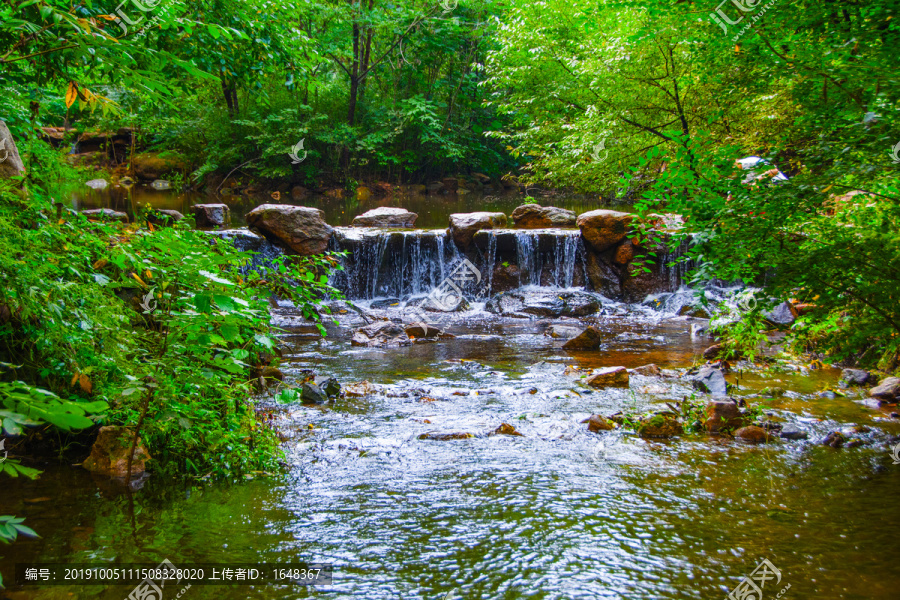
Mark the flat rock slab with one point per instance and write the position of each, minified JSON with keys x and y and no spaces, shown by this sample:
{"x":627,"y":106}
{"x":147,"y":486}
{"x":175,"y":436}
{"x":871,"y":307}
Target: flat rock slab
{"x":532,"y":216}
{"x":888,"y":390}
{"x":105,"y":214}
{"x":386,"y":217}
{"x":544,"y":304}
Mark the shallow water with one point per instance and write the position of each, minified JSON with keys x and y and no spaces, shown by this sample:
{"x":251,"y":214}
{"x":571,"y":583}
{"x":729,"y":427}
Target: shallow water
{"x":559,"y":513}
{"x":433,"y":210}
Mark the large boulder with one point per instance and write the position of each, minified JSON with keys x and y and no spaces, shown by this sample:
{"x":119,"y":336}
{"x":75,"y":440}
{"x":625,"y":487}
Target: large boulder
{"x":11,"y":163}
{"x":518,"y":303}
{"x":211,"y":215}
{"x":463,"y":226}
{"x":603,"y":229}
{"x":589,"y":339}
{"x":380,"y":335}
{"x":603,"y":277}
{"x":109,"y":454}
{"x":532,"y":216}
{"x":386,"y":217}
{"x":154,"y":165}
{"x":888,"y":390}
{"x":300,"y":228}
{"x":609,"y":377}
{"x":854,"y":377}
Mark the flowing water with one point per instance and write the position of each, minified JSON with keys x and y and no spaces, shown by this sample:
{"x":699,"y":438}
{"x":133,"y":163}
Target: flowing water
{"x":556,"y":513}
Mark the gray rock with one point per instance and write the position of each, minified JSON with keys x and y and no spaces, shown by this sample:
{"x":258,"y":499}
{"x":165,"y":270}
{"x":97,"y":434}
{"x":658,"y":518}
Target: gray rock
{"x":532,"y":216}
{"x":544,"y":304}
{"x":381,"y":334}
{"x":328,"y":385}
{"x":97,"y":184}
{"x":854,"y":376}
{"x":300,"y":228}
{"x":792,"y":432}
{"x":710,"y":381}
{"x":781,"y":314}
{"x":211,"y":215}
{"x":12,"y":164}
{"x":562,"y":332}
{"x":310,"y":392}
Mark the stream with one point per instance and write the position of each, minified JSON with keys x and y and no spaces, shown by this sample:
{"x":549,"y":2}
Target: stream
{"x":556,"y":513}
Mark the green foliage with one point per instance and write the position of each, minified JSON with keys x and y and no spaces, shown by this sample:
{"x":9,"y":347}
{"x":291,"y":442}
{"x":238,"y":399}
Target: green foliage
{"x":26,"y":405}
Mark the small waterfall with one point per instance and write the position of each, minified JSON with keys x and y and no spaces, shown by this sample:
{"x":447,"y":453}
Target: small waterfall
{"x":549,"y":257}
{"x":392,"y":264}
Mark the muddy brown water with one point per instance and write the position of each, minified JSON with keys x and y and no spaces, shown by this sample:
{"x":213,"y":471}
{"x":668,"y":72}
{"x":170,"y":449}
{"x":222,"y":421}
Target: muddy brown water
{"x":558,"y":513}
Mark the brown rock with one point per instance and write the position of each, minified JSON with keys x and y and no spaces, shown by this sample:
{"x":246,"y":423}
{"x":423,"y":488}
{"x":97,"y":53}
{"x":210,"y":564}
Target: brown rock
{"x":109,"y":454}
{"x":463,"y":226}
{"x":835,"y":439}
{"x":609,"y":377}
{"x":603,"y":277}
{"x":597,"y":423}
{"x":648,"y":371}
{"x":752,"y":434}
{"x":532,"y":216}
{"x":723,"y":415}
{"x":211,"y":215}
{"x":379,"y":335}
{"x":105,"y":214}
{"x":386,"y":216}
{"x":603,"y":229}
{"x":624,"y":253}
{"x":300,"y":228}
{"x":164,"y":216}
{"x":423,"y":331}
{"x":589,"y":339}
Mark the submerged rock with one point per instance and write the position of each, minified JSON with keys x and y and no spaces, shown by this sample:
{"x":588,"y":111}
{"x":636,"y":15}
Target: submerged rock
{"x":506,"y":429}
{"x":532,"y":216}
{"x":386,"y":217}
{"x":603,"y":229}
{"x":381,"y":334}
{"x":360,"y":388}
{"x":109,"y":454}
{"x":464,"y":226}
{"x":445,"y":437}
{"x":722,"y":415}
{"x":589,"y":339}
{"x":711,"y":381}
{"x":211,"y":215}
{"x":752,"y":434}
{"x":609,"y":377}
{"x":311,"y":393}
{"x":598,"y":423}
{"x":792,"y":432}
{"x":544,"y":304}
{"x":300,"y":228}
{"x":648,"y":371}
{"x":835,"y":439}
{"x":887,"y":391}
{"x":660,"y":425}
{"x":105,"y":214}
